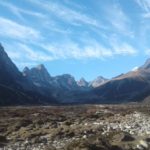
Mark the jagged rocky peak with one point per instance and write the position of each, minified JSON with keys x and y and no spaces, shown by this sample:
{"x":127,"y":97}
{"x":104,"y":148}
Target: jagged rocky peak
{"x":38,"y":74}
{"x":98,"y":81}
{"x":7,"y":67}
{"x":66,"y":77}
{"x":3,"y":54}
{"x":26,"y":71}
{"x":40,"y":67}
{"x":66,"y":81}
{"x":1,"y":48}
{"x":82,"y":82}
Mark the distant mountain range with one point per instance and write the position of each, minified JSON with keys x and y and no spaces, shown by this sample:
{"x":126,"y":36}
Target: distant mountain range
{"x":36,"y":86}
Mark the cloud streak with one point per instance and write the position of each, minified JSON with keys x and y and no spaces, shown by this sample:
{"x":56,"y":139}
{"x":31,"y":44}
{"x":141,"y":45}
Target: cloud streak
{"x":66,"y":14}
{"x":19,"y":11}
{"x":69,"y":41}
{"x":145,"y":6}
{"x":66,"y":50}
{"x":118,"y":19}
{"x":90,"y":49}
{"x":49,"y":24}
{"x":74,"y":51}
{"x":14,"y":30}
{"x":124,"y":49}
{"x":24,"y":55}
{"x":34,"y":55}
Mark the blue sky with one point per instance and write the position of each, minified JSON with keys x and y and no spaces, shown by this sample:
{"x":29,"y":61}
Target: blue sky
{"x":85,"y":38}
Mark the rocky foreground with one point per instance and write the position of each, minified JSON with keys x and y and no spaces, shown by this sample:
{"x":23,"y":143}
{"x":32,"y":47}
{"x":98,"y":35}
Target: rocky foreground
{"x":86,"y":127}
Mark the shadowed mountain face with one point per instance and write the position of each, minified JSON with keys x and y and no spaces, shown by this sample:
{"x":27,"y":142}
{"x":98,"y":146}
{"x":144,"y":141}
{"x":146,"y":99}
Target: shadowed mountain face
{"x":15,"y":89}
{"x":130,"y":87}
{"x":63,"y":87}
{"x":38,"y":75}
{"x":36,"y":86}
{"x":66,"y":82}
{"x":8,"y":71}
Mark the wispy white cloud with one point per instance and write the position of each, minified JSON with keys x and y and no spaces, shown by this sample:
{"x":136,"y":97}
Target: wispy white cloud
{"x":146,"y":15}
{"x":145,"y":6}
{"x":64,"y":45}
{"x":18,"y":11}
{"x":75,"y":5}
{"x":67,"y":14}
{"x":71,"y":49}
{"x":124,"y":49}
{"x":24,"y":55}
{"x":14,"y":30}
{"x":49,"y":24}
{"x":118,"y":19}
{"x":34,"y":55}
{"x":14,"y":54}
{"x":90,"y":49}
{"x":121,"y":47}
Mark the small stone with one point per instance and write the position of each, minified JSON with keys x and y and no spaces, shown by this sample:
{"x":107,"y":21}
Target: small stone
{"x":143,"y":144}
{"x":127,"y":137}
{"x":3,"y":139}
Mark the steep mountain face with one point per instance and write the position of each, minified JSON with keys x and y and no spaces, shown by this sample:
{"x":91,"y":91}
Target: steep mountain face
{"x":41,"y":78}
{"x":64,"y":87}
{"x":130,"y":87}
{"x":38,"y":75}
{"x":97,"y":82}
{"x":16,"y":89}
{"x":8,"y":71}
{"x":9,"y":78}
{"x":59,"y":87}
{"x":66,"y":82}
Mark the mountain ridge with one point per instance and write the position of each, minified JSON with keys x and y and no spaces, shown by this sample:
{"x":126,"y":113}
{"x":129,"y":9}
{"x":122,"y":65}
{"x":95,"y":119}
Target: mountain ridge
{"x":35,"y":86}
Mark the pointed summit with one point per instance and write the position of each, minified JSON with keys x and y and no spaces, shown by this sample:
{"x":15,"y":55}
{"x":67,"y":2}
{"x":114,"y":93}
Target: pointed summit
{"x":40,"y":67}
{"x":8,"y":70}
{"x":98,"y":81}
{"x":2,"y":52}
{"x":39,"y":75}
{"x":1,"y":48}
{"x":26,"y":71}
{"x":66,"y":81}
{"x":82,"y":82}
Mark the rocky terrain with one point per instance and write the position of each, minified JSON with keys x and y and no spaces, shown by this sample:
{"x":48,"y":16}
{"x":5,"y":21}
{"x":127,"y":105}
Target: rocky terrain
{"x":82,"y":127}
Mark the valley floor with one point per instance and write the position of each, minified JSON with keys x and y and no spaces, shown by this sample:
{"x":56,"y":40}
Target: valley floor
{"x":83,"y":127}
